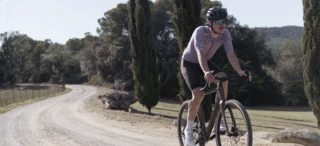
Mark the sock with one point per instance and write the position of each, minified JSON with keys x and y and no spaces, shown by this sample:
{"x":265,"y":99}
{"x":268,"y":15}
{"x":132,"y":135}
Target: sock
{"x":189,"y":127}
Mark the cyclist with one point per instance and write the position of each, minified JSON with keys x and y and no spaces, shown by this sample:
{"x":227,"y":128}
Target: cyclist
{"x":202,"y":46}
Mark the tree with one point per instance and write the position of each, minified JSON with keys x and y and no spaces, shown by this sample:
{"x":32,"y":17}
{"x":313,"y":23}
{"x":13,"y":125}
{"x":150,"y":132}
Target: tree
{"x":22,"y":57}
{"x":57,"y":55}
{"x":114,"y":22}
{"x":186,"y":18}
{"x":165,"y":47}
{"x":88,"y":58}
{"x":15,"y":48}
{"x":144,"y":62}
{"x":311,"y":54}
{"x":41,"y":72}
{"x":289,"y":62}
{"x":8,"y":54}
{"x":74,"y":45}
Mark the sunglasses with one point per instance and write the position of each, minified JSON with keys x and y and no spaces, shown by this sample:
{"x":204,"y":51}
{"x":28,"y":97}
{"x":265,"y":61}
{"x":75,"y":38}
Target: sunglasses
{"x":219,"y":22}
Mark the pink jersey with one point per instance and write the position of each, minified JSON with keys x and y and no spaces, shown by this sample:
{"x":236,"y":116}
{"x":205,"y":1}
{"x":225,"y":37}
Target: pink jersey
{"x":202,"y":40}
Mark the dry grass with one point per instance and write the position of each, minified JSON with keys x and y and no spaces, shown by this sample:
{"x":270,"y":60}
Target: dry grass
{"x":27,"y":97}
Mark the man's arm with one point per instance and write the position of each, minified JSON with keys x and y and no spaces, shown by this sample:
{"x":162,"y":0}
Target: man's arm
{"x":234,"y":61}
{"x":204,"y":66}
{"x":203,"y":61}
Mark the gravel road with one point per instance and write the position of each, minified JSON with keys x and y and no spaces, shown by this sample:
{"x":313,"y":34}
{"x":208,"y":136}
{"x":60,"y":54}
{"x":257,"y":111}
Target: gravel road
{"x":62,"y":120}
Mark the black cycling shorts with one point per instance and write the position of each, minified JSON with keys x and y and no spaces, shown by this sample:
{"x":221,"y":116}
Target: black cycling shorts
{"x":193,"y":74}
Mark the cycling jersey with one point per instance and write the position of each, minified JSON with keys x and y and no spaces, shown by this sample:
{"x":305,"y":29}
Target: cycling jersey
{"x":202,"y":40}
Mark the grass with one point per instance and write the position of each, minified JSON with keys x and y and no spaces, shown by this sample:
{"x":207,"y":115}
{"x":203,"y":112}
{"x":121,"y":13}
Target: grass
{"x":27,"y":97}
{"x":263,"y":118}
{"x":278,"y":118}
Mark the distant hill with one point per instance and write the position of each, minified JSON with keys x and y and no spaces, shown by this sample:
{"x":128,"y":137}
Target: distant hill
{"x":277,"y":35}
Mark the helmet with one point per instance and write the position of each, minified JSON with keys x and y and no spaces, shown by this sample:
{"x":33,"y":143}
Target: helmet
{"x":216,"y":13}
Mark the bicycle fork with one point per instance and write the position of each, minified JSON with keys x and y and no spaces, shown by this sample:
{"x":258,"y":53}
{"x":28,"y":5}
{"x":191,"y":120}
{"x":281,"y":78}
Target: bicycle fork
{"x":222,"y":107}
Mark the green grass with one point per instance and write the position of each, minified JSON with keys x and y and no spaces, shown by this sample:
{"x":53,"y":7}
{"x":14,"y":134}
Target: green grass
{"x":271,"y":119}
{"x":263,"y":118}
{"x":278,"y":118}
{"x":11,"y":98}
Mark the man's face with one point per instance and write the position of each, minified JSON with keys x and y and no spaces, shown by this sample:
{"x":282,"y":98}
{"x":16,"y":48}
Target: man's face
{"x":219,"y":25}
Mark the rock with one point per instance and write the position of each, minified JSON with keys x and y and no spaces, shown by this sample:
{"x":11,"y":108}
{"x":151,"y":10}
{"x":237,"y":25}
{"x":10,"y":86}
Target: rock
{"x":118,"y":101}
{"x":265,"y":135}
{"x":303,"y":136}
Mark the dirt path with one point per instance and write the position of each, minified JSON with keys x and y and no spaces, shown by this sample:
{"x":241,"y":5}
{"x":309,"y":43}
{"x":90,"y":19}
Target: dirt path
{"x":64,"y":120}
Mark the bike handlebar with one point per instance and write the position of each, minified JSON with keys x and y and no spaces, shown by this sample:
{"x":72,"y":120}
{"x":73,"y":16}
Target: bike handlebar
{"x":231,"y":77}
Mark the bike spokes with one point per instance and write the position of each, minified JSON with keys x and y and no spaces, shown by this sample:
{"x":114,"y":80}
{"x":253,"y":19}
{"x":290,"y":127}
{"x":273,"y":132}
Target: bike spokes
{"x":239,"y":126}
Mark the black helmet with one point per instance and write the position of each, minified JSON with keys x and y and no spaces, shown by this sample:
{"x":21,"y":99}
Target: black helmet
{"x":216,"y":13}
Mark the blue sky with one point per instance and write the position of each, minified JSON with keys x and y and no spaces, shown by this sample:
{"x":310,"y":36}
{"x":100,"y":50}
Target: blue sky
{"x":60,"y":20}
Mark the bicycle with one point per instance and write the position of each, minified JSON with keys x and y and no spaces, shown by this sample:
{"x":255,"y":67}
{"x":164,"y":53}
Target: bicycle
{"x":234,"y":132}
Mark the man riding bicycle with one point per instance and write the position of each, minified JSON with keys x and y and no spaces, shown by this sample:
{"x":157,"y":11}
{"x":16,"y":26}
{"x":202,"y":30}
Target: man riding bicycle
{"x":203,"y":44}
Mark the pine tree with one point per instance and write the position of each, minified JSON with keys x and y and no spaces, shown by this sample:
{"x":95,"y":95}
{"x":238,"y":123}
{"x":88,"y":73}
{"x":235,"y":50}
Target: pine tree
{"x":311,"y":54}
{"x":144,"y":62}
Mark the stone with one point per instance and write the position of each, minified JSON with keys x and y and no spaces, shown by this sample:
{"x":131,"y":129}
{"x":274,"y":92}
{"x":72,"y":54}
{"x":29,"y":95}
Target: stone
{"x":303,"y":136}
{"x":118,"y":101}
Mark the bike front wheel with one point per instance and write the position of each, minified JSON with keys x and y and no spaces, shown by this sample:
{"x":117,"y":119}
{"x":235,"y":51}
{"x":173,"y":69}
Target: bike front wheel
{"x":237,"y":121}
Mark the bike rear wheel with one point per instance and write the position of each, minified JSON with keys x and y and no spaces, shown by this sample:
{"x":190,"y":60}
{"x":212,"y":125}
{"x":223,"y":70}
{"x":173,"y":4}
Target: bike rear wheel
{"x":198,"y":132}
{"x":239,"y":126}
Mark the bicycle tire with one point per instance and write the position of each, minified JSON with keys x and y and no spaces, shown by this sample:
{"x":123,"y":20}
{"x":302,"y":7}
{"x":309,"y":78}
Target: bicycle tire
{"x":184,"y":106}
{"x":233,"y":126}
{"x":181,"y":125}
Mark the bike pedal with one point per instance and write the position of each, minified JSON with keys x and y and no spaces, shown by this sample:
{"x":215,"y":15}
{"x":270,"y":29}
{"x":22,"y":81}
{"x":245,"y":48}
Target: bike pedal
{"x":223,"y":132}
{"x":212,"y":137}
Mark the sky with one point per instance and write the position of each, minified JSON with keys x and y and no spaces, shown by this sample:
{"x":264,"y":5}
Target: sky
{"x":60,"y":20}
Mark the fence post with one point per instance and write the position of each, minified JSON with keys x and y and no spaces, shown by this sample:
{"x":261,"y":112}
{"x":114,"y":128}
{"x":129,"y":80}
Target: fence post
{"x":26,"y":91}
{"x":14,"y":99}
{"x":0,"y":100}
{"x":32,"y":92}
{"x":20,"y":93}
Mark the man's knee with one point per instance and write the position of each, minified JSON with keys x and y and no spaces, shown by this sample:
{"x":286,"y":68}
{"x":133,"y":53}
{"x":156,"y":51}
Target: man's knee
{"x":197,"y":96}
{"x":220,"y":74}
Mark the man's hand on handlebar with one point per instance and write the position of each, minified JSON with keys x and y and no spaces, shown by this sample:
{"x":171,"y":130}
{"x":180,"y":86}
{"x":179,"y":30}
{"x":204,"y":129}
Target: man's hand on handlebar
{"x":245,"y":73}
{"x":209,"y":76}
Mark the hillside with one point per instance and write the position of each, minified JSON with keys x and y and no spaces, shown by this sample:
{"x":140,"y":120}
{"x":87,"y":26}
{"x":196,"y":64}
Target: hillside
{"x":277,"y":35}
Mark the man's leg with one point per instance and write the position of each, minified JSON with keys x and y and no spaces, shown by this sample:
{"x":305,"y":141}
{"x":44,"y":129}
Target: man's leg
{"x":197,"y":97}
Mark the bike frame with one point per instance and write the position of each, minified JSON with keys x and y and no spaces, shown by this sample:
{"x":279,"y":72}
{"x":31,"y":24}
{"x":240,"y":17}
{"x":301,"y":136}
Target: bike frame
{"x":219,"y":106}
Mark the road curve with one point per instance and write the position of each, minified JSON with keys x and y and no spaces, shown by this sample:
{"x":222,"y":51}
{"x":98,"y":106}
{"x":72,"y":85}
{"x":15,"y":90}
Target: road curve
{"x":62,"y":120}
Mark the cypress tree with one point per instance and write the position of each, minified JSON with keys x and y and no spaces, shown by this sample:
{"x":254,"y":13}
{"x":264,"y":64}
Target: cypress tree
{"x":144,"y":62}
{"x":311,"y":54}
{"x":186,"y":18}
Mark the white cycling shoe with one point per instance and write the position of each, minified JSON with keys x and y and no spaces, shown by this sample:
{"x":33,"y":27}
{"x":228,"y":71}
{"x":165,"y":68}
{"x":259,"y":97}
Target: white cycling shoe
{"x":189,"y":138}
{"x":222,"y":126}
